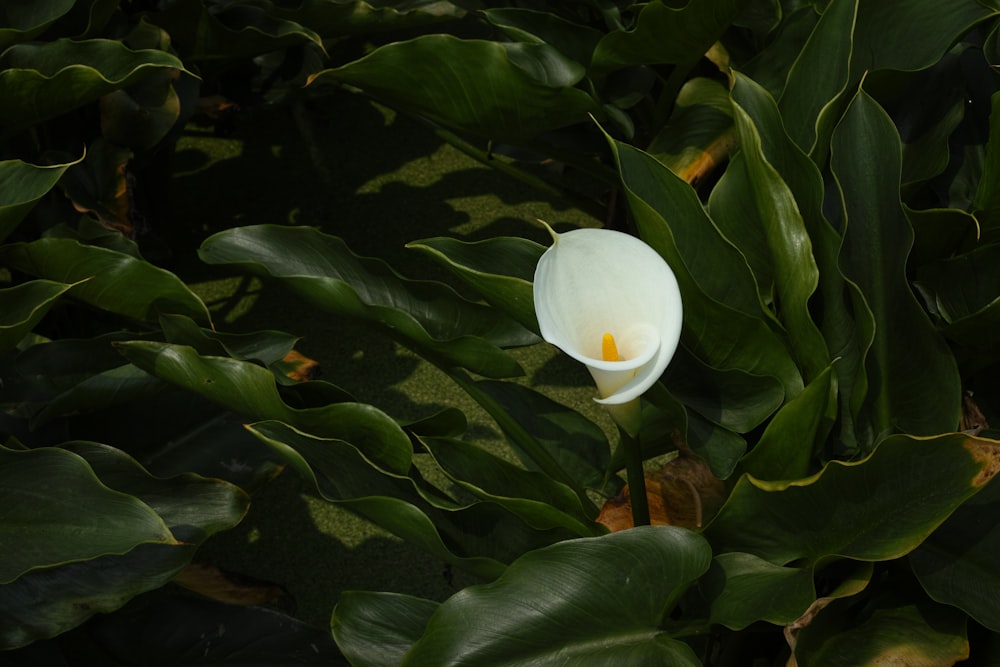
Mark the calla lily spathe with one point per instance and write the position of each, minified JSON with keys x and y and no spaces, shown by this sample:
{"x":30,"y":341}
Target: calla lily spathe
{"x":592,"y":282}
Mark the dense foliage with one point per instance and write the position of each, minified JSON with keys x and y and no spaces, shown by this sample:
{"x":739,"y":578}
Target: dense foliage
{"x":823,"y":178}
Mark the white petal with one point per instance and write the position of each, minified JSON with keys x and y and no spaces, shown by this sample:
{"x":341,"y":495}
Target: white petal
{"x":596,"y":281}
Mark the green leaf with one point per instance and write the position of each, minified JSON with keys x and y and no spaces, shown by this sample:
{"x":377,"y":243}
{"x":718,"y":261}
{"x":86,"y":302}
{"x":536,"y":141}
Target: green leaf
{"x":353,"y":18}
{"x":914,"y":388}
{"x":110,"y":280}
{"x":819,"y":75}
{"x":43,"y":491}
{"x":500,"y":269}
{"x":22,"y":22}
{"x":40,"y":81}
{"x":537,"y":499}
{"x":810,"y":518}
{"x":955,"y":564}
{"x":377,"y":629}
{"x":603,"y":600}
{"x":539,"y":27}
{"x":250,"y":390}
{"x":723,"y":322}
{"x":510,"y":93}
{"x":22,"y":185}
{"x":744,"y":589}
{"x":796,"y":434}
{"x":665,"y":35}
{"x":962,"y":291}
{"x":427,"y":316}
{"x":233,"y":31}
{"x":23,"y":306}
{"x":52,"y":599}
{"x":341,"y":475}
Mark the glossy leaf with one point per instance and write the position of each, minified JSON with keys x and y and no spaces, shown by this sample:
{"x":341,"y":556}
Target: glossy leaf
{"x":354,"y":17}
{"x":377,"y":629}
{"x":603,"y":600}
{"x":955,"y":564}
{"x":796,"y":434}
{"x":23,"y":306}
{"x":664,"y":34}
{"x":45,"y":489}
{"x":500,"y":269}
{"x":920,"y":398}
{"x":419,"y":515}
{"x":723,"y":323}
{"x":108,"y":278}
{"x":22,"y":185}
{"x":528,"y":25}
{"x":428,"y":316}
{"x":819,"y":75}
{"x":510,"y":92}
{"x":539,"y":500}
{"x":744,"y":589}
{"x":22,"y":22}
{"x":809,"y":518}
{"x":66,"y":584}
{"x":250,"y":390}
{"x":43,"y":80}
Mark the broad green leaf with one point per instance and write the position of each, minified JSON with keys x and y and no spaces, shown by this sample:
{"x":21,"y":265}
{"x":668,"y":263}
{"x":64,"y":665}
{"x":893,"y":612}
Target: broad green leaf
{"x":743,"y":589}
{"x":40,"y":81}
{"x":819,"y":75}
{"x":987,"y":199}
{"x":22,"y":185}
{"x":231,"y":32}
{"x":723,"y":322}
{"x":862,"y":510}
{"x":109,"y":280}
{"x":416,"y":514}
{"x":536,"y":498}
{"x":914,"y":387}
{"x":23,"y":21}
{"x":844,"y":318}
{"x":121,"y":384}
{"x":910,"y":34}
{"x":172,"y":627}
{"x":734,"y":399}
{"x":540,"y":27}
{"x":939,"y":233}
{"x":700,"y":134}
{"x":43,"y":494}
{"x":796,"y":275}
{"x":377,"y":629}
{"x":956,"y":564}
{"x":666,"y":35}
{"x":509,"y":93}
{"x":45,"y":602}
{"x":500,"y":269}
{"x":603,"y":600}
{"x":963,"y":292}
{"x":547,"y":436}
{"x":23,"y":306}
{"x":350,"y":18}
{"x":250,"y":390}
{"x":917,"y":635}
{"x":427,"y":316}
{"x":796,"y":434}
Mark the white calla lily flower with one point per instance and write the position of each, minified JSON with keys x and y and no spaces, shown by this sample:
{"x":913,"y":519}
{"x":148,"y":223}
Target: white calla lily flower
{"x":609,"y":301}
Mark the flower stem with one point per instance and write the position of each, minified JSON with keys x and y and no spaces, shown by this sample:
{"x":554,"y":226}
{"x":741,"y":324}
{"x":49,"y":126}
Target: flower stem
{"x":636,"y":478}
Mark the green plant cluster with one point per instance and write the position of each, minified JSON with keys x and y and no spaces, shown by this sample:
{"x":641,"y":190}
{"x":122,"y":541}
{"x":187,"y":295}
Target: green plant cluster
{"x":822,"y":177}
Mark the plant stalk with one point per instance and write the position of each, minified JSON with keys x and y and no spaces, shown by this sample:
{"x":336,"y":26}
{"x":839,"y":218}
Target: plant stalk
{"x":636,"y":478}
